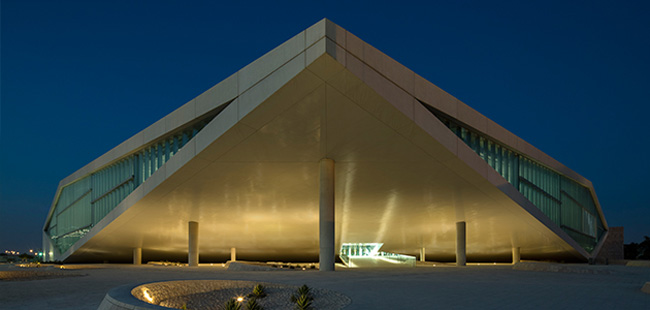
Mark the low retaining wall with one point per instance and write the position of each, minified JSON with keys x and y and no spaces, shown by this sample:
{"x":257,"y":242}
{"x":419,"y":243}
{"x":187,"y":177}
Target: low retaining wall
{"x":565,"y":268}
{"x":646,"y":288}
{"x":120,"y":298}
{"x":638,"y":263}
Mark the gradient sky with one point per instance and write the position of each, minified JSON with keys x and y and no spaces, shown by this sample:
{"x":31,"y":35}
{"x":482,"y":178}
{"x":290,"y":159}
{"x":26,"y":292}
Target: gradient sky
{"x":79,"y":77}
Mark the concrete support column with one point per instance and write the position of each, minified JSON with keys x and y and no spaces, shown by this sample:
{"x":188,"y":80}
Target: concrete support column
{"x":233,"y":254}
{"x":193,"y":245}
{"x":137,"y":256}
{"x":422,"y":254}
{"x":461,"y":258}
{"x":326,"y":215}
{"x":516,"y":255}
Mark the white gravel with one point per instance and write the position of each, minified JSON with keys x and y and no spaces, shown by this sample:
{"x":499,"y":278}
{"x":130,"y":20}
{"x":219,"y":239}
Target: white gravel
{"x":213,"y":294}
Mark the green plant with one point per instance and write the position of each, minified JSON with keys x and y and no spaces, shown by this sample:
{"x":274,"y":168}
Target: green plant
{"x":184,"y":307}
{"x":303,"y":302}
{"x":258,"y":292}
{"x":303,"y":297}
{"x":304,"y":290}
{"x":232,"y":304}
{"x":253,"y":305}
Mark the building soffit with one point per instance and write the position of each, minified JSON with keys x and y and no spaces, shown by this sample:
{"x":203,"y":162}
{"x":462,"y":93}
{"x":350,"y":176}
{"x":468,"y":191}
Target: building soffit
{"x":220,"y":94}
{"x":327,"y":37}
{"x":250,"y":129}
{"x":351,"y":51}
{"x":359,"y":58}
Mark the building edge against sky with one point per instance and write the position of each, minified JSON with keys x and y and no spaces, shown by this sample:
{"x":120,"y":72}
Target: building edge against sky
{"x":242,"y":160}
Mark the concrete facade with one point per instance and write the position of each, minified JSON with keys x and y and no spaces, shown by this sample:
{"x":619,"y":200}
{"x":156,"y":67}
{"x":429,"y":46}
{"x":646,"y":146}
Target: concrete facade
{"x":251,"y":174}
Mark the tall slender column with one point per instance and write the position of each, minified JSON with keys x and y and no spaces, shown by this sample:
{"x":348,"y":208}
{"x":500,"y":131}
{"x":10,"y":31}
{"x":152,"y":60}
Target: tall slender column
{"x":423,"y":254}
{"x":326,"y":215}
{"x":516,"y":255}
{"x":193,"y":244}
{"x":461,"y":258}
{"x":233,"y":254}
{"x":137,"y":256}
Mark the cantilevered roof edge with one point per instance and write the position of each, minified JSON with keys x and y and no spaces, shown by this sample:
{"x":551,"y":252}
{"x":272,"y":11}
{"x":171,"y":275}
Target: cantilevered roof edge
{"x":357,"y":56}
{"x":354,"y":54}
{"x":310,"y":41}
{"x":425,"y":91}
{"x":276,"y":67}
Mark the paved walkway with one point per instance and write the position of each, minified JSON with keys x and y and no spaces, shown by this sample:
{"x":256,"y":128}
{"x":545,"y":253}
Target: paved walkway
{"x":472,"y":287}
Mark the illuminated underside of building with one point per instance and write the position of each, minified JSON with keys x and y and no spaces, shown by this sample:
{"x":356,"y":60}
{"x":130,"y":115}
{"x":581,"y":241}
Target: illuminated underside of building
{"x":244,"y":159}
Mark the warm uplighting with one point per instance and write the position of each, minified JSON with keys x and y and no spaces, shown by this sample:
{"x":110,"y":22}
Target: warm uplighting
{"x":240,"y":299}
{"x":147,"y":295}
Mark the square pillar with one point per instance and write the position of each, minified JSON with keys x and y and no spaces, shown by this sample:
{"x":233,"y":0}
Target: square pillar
{"x":516,"y":255}
{"x":137,"y":256}
{"x":193,"y":245}
{"x":461,"y":258}
{"x":326,"y":216}
{"x":233,"y":254}
{"x":422,"y":254}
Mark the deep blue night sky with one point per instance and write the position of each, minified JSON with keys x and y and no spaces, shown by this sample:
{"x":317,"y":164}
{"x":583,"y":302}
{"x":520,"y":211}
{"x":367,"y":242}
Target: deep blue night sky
{"x":79,"y":77}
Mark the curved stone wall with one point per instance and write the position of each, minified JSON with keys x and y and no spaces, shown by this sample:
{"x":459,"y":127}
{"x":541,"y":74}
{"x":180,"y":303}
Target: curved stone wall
{"x":200,"y":294}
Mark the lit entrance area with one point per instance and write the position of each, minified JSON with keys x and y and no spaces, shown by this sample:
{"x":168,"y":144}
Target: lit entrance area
{"x":362,"y":255}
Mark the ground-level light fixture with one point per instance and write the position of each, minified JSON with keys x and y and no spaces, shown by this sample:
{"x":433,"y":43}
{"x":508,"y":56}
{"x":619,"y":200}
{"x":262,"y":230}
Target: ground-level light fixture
{"x":147,"y":295}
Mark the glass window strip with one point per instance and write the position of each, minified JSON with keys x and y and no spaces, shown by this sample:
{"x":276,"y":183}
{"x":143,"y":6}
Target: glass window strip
{"x":117,"y":187}
{"x":110,"y":185}
{"x":539,"y":184}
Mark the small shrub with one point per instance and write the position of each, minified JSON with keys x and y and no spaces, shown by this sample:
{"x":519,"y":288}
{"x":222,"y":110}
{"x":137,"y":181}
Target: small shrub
{"x":253,"y":305}
{"x":303,"y":297}
{"x":304,"y":290}
{"x":258,"y":292}
{"x":232,"y":304}
{"x":294,"y":298}
{"x":303,"y":302}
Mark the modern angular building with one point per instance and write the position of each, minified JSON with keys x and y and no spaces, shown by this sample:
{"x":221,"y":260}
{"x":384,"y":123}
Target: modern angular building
{"x":321,"y":142}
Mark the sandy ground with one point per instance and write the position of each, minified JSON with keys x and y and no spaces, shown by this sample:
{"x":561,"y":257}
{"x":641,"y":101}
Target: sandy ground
{"x":424,"y":287}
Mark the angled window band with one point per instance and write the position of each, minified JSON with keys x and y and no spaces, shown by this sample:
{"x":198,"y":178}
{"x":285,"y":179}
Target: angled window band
{"x":567,"y":203}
